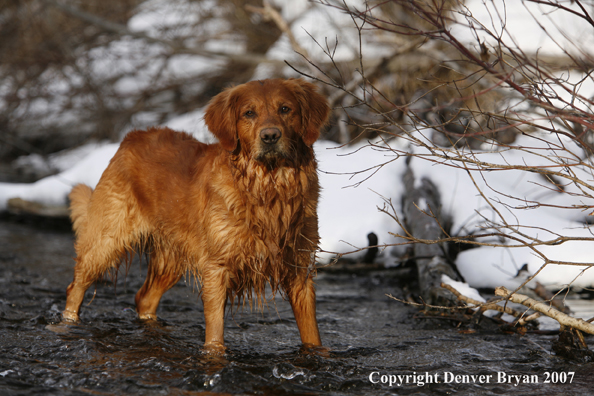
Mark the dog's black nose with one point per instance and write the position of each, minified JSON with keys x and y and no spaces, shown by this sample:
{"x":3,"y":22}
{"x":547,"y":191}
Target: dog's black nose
{"x":270,"y":135}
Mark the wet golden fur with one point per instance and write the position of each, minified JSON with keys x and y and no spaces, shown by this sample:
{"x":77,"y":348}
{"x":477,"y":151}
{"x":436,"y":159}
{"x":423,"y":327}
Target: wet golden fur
{"x":239,"y":214}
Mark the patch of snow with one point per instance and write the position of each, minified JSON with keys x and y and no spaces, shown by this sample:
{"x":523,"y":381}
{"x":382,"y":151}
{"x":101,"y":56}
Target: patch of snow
{"x":463,"y":288}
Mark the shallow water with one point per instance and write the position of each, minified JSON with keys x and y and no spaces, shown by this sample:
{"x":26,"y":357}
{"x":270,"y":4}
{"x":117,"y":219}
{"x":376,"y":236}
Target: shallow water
{"x":111,"y":352}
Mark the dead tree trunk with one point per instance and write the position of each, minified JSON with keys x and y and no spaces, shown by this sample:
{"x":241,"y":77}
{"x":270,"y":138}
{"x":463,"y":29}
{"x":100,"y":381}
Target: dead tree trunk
{"x":424,"y":221}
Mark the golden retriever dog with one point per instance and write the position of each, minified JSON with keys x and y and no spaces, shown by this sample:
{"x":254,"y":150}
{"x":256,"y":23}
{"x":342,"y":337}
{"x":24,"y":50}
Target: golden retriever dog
{"x":239,"y":214}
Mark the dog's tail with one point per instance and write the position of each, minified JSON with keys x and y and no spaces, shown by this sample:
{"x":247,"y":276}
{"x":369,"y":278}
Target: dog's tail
{"x":80,"y":196}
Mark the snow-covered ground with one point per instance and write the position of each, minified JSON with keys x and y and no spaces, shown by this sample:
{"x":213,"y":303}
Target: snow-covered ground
{"x":350,"y":203}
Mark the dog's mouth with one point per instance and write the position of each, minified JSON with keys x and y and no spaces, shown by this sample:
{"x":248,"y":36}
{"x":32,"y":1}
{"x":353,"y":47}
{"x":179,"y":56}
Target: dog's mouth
{"x":272,"y":156}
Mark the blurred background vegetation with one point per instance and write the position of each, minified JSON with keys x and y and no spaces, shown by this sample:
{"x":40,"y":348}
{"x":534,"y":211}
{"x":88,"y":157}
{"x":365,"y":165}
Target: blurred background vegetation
{"x":74,"y":71}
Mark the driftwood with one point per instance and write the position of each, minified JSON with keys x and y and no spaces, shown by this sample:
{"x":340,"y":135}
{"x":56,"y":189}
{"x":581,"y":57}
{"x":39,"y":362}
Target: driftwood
{"x":546,"y":309}
{"x":20,"y":206}
{"x":421,"y":207}
{"x":523,"y":318}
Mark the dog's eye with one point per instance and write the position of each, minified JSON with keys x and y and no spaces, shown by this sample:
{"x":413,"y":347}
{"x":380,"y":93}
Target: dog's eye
{"x":285,"y":109}
{"x":249,"y":114}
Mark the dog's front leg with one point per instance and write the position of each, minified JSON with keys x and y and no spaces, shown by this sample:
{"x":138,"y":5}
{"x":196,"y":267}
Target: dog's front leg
{"x":302,"y":295}
{"x":214,"y":300}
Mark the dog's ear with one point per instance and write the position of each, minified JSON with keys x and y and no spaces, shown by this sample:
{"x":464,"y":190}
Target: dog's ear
{"x":314,"y":109}
{"x":221,"y":118}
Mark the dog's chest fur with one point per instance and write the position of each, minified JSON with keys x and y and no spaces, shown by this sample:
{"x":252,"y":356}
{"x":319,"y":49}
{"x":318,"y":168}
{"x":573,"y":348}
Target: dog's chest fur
{"x":263,"y":217}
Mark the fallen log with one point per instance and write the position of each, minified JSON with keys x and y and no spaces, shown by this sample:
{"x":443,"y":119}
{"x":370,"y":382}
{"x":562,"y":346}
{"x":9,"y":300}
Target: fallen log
{"x":20,"y":206}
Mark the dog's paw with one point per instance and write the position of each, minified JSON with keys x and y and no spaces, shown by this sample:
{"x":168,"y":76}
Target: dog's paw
{"x":214,"y":349}
{"x":147,"y":316}
{"x":315,"y":350}
{"x":69,"y":317}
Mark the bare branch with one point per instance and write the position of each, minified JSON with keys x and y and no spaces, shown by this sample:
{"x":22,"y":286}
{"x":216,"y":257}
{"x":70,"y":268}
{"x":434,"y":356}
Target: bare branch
{"x":546,"y":309}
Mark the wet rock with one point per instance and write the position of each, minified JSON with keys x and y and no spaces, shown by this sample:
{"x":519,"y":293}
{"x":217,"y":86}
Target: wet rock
{"x":571,"y":346}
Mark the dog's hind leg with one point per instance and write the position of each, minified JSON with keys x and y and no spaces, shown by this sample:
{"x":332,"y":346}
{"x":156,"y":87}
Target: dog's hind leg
{"x":110,"y":231}
{"x":163,"y":273}
{"x":90,"y":266}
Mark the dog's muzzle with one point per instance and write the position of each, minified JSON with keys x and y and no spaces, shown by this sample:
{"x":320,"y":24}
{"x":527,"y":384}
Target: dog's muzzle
{"x":270,"y":136}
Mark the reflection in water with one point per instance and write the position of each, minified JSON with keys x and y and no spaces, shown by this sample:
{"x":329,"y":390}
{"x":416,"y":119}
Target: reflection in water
{"x":112,"y":352}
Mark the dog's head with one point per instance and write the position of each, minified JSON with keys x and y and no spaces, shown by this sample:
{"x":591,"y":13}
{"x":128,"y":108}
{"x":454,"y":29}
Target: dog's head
{"x":268,"y":120}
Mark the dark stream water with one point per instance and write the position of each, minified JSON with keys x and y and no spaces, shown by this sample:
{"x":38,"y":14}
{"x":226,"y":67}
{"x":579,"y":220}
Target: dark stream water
{"x":111,"y":352}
